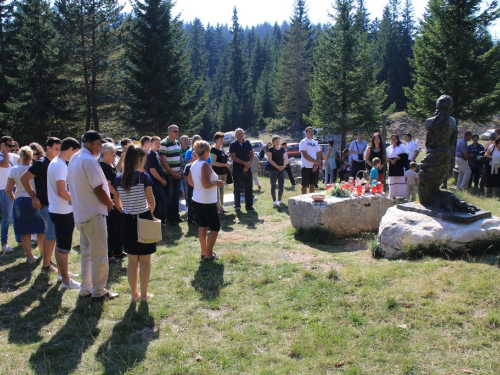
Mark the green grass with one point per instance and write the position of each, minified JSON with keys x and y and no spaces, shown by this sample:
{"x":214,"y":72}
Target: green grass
{"x":272,"y":305}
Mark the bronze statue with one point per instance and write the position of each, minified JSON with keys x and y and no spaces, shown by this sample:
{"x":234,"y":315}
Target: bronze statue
{"x":441,"y":136}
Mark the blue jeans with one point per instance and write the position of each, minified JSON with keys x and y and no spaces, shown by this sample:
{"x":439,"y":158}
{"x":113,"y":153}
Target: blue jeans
{"x":245,"y":178}
{"x":280,"y":177}
{"x":160,"y":211}
{"x":7,"y":209}
{"x":173,"y":191}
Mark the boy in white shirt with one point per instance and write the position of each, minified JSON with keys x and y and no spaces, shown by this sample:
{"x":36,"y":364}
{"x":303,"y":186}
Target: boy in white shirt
{"x":60,"y":209}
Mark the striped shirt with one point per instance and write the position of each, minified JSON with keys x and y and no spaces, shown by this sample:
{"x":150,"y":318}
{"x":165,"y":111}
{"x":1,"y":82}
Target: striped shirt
{"x":172,"y":150}
{"x":134,"y":201}
{"x":85,"y":174}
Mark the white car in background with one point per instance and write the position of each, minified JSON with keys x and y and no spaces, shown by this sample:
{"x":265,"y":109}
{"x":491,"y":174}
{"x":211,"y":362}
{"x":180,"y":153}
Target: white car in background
{"x":486,"y":135}
{"x":228,"y":138}
{"x":257,"y":146}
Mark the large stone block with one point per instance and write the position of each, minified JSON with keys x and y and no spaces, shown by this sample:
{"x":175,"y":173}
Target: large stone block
{"x":344,"y":216}
{"x":399,"y":228}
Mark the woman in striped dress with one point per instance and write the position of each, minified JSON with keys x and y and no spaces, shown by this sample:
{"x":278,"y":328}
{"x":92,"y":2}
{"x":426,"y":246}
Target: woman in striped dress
{"x":134,"y":197}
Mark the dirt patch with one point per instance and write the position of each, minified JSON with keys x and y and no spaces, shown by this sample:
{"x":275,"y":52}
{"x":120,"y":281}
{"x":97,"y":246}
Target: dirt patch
{"x":352,"y":244}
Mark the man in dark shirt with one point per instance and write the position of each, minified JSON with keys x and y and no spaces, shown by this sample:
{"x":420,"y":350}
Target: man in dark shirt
{"x":154,"y":169}
{"x":40,"y":200}
{"x":242,"y":154}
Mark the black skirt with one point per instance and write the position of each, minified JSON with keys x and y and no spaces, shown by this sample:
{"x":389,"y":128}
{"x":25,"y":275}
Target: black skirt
{"x":129,"y":235}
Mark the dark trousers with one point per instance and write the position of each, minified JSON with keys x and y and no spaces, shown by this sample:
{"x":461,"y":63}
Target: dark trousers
{"x":475,"y":174}
{"x":290,"y":176}
{"x":356,"y":167}
{"x":114,"y":222}
{"x":244,"y":178}
{"x":173,"y":191}
{"x":161,"y":201}
{"x":189,"y":204}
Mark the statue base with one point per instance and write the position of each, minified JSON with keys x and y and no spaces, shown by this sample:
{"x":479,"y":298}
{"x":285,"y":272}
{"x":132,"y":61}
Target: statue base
{"x":454,"y":216}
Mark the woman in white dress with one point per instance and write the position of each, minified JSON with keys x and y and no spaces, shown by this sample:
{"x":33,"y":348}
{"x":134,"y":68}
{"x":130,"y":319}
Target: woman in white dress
{"x":397,"y":158}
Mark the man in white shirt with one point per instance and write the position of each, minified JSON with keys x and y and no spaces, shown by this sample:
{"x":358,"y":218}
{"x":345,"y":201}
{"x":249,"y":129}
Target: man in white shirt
{"x":311,"y":160}
{"x":60,"y":208}
{"x":412,"y":148}
{"x":357,"y":150}
{"x":91,"y":202}
{"x":7,"y":161}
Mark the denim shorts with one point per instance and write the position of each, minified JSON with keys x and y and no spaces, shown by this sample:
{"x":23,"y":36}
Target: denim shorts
{"x":50,"y":229}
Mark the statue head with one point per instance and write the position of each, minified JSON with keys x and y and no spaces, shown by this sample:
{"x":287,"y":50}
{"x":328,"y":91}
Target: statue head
{"x":444,"y":105}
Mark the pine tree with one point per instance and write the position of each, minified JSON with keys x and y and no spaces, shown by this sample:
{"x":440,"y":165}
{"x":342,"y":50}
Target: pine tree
{"x":295,"y":67}
{"x":6,"y":68}
{"x":90,"y":39}
{"x":344,"y":91}
{"x":454,"y":55}
{"x":37,"y":105}
{"x":160,"y":85}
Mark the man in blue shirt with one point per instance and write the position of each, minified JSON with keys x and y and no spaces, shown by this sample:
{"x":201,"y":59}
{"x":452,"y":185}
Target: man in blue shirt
{"x":242,"y":154}
{"x":462,"y":154}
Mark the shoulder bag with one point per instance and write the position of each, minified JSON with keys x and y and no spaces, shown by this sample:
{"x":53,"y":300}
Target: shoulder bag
{"x":148,"y":231}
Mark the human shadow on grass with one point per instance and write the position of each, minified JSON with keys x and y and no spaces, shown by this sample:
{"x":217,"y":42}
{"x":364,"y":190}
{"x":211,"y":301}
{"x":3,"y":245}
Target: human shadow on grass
{"x":63,"y":352}
{"x":209,"y":279}
{"x":11,"y":310}
{"x":129,"y":341}
{"x":26,"y":330}
{"x":172,"y":234}
{"x":249,"y":218}
{"x":18,"y":276}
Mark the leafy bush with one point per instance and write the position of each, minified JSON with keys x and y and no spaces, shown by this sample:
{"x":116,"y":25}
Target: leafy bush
{"x":277,"y":124}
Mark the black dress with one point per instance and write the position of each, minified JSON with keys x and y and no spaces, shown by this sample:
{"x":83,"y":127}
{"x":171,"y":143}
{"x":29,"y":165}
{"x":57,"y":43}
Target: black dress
{"x":134,"y":201}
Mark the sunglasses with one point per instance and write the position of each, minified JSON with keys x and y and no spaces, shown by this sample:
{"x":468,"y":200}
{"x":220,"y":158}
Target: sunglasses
{"x":174,"y":131}
{"x":36,"y":153}
{"x":11,"y":146}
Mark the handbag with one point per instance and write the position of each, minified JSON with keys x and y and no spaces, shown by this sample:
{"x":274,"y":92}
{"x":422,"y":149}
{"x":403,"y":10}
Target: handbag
{"x":148,"y":231}
{"x":229,"y":178}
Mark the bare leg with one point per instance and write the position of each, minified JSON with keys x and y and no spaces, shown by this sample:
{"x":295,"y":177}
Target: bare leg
{"x":145,"y":261}
{"x":487,"y":191}
{"x":48,"y":249}
{"x":212,"y":237}
{"x":26,"y":244}
{"x":62,"y":266}
{"x":202,"y":235}
{"x":304,"y":189}
{"x":133,"y":262}
{"x":40,"y":238}
{"x":311,"y":188}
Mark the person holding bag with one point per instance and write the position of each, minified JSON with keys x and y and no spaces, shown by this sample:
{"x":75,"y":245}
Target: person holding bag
{"x":134,"y":198}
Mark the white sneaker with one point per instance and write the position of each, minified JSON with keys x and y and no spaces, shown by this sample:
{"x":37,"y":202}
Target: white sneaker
{"x":71,"y":275}
{"x":72,"y":284}
{"x":49,"y":269}
{"x":275,"y":203}
{"x":7,"y":249}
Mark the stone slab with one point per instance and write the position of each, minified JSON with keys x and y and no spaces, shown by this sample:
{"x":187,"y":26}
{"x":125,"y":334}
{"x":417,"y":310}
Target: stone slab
{"x":458,"y":217}
{"x":399,"y":228}
{"x":344,"y":216}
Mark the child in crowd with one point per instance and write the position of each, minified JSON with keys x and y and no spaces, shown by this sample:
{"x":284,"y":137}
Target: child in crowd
{"x":376,"y":165}
{"x":256,"y":169}
{"x":411,"y":178}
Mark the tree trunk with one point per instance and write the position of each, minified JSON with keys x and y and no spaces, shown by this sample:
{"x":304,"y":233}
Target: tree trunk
{"x":93,"y":89}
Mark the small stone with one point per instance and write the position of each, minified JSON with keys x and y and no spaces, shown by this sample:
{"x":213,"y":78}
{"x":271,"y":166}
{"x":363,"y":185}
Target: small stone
{"x":199,"y":359}
{"x":280,"y":277}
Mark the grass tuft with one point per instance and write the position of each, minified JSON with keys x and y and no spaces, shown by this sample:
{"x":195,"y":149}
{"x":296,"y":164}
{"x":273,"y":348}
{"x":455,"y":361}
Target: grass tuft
{"x":332,"y":275}
{"x":376,"y":249}
{"x":318,"y":235}
{"x":391,"y":303}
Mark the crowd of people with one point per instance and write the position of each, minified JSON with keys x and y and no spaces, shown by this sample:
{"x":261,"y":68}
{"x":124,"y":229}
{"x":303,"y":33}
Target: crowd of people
{"x":102,"y":190}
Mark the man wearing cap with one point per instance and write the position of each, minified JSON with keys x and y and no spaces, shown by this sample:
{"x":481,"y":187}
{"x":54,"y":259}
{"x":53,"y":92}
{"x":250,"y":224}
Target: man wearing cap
{"x":91,"y":202}
{"x":412,"y":149}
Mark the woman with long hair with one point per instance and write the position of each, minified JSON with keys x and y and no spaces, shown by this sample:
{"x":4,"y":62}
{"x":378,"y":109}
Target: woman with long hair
{"x":27,"y":219}
{"x":331,"y":163}
{"x":276,"y":155}
{"x":134,"y":198}
{"x":205,"y":183}
{"x":376,"y":150}
{"x":397,"y":158}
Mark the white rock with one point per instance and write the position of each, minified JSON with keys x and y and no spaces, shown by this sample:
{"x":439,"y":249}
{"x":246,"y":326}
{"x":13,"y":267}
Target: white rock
{"x":399,"y":228}
{"x":344,"y":216}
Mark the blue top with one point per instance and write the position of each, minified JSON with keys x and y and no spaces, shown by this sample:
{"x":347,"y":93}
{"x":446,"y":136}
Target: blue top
{"x":374,"y":173}
{"x":189,"y":156}
{"x":242,"y":151}
{"x":461,"y":147}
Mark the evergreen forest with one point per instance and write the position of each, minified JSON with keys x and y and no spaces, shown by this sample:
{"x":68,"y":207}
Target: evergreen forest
{"x":73,"y":65}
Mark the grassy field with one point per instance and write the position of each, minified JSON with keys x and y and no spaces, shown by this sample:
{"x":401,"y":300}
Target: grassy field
{"x":271,"y":305}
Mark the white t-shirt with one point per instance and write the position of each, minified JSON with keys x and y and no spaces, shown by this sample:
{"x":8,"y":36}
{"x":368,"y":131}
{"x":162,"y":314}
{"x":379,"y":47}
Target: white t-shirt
{"x":312,"y":148}
{"x":15,"y":173}
{"x":57,"y":171}
{"x":360,"y":148}
{"x":411,"y":147}
{"x":13,"y":159}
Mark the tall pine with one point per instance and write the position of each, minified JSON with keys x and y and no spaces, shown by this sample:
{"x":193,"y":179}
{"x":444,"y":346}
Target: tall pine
{"x":160,"y":86}
{"x":295,"y":67}
{"x":344,"y":91}
{"x":454,"y":55}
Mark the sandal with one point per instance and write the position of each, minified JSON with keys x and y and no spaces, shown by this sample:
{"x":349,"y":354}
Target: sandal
{"x":213,"y":257}
{"x":121,"y":256}
{"x":114,"y":260}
